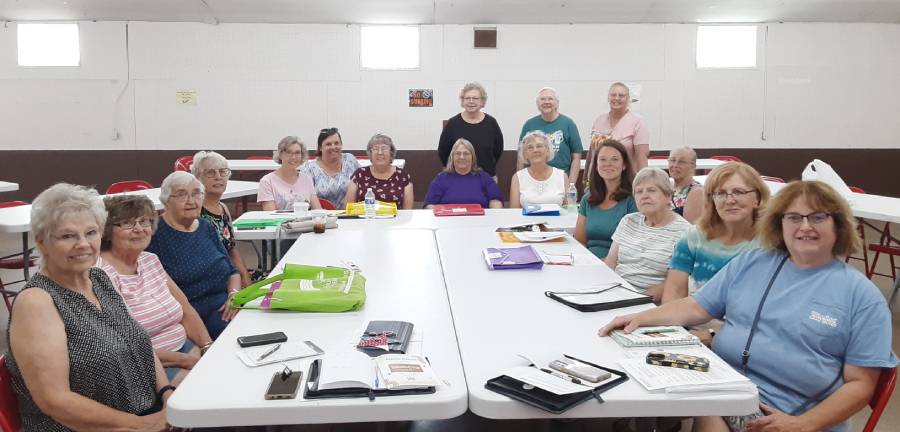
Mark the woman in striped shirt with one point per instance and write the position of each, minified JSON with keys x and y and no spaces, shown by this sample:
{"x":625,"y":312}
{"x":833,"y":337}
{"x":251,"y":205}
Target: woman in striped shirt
{"x":176,"y":331}
{"x":644,"y":241}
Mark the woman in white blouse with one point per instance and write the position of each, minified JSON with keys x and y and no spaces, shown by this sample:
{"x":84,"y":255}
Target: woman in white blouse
{"x":539,"y":183}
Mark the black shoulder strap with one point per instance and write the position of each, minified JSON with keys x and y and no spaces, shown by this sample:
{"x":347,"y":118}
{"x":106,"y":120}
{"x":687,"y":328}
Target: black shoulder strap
{"x":745,"y":356}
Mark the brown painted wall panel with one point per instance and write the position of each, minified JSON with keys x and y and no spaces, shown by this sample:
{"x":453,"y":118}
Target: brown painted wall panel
{"x":874,"y":170}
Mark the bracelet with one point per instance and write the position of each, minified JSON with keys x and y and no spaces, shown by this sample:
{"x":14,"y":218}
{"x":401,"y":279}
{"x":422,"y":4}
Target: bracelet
{"x":163,"y":390}
{"x":205,"y":347}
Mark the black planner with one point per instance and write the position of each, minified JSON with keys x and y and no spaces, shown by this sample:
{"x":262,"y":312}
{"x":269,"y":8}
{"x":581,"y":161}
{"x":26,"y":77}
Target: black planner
{"x":398,"y":334}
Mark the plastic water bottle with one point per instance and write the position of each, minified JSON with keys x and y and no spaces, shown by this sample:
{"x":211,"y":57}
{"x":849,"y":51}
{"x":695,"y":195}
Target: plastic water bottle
{"x":370,"y":203}
{"x":572,"y":196}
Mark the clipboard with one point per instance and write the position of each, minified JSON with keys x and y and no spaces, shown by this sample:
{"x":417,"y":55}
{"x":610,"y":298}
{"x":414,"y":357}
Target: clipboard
{"x":638,"y":299}
{"x":549,"y":401}
{"x":311,"y":389}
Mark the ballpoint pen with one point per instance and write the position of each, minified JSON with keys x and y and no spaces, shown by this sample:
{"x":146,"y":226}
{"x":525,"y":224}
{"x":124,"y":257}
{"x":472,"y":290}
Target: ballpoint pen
{"x":268,"y":352}
{"x":562,"y":376}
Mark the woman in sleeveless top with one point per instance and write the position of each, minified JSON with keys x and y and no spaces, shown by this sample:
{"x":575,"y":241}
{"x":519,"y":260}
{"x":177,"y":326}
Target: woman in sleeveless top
{"x":212,"y":170}
{"x":688,"y":197}
{"x":94,"y":367}
{"x":539,"y":183}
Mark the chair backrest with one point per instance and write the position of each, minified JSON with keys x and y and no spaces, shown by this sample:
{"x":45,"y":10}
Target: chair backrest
{"x":254,"y":157}
{"x":726,"y":158}
{"x":327,"y":205}
{"x":659,"y":157}
{"x":184,"y":163}
{"x":6,"y":204}
{"x":9,"y":404}
{"x":773,"y":179}
{"x":883,"y":389}
{"x":128,"y":186}
{"x":856,"y":189}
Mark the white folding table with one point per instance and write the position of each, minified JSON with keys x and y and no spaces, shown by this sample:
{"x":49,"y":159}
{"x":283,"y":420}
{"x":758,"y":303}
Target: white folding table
{"x":8,"y":186}
{"x":498,"y":314}
{"x":404,"y":282}
{"x":270,"y":165}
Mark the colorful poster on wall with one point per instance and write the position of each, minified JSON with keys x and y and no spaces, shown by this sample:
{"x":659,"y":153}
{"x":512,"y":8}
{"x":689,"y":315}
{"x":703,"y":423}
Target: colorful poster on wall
{"x":421,"y":98}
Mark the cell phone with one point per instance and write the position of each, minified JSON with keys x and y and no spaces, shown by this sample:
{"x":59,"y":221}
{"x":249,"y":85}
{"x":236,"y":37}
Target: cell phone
{"x":284,"y":386}
{"x":681,"y":361}
{"x":579,"y":370}
{"x":261,"y":339}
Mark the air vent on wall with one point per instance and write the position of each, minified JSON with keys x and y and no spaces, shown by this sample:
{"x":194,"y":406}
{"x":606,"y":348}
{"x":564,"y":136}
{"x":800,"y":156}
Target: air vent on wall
{"x":485,"y":37}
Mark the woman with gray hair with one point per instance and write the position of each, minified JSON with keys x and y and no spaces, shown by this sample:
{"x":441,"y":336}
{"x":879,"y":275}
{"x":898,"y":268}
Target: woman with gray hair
{"x":538,"y":183}
{"x":212,"y":170}
{"x":192,"y":254}
{"x":474,"y":125}
{"x":688,"y":198}
{"x":389,"y":183}
{"x":78,"y":360}
{"x":463,"y":182}
{"x":643,"y":242}
{"x":280,"y":189}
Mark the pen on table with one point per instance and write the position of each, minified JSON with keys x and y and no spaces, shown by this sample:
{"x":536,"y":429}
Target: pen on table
{"x":562,"y":375}
{"x":268,"y":352}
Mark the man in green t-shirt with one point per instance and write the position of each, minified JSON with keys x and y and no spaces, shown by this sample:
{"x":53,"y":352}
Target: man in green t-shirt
{"x":562,"y":131}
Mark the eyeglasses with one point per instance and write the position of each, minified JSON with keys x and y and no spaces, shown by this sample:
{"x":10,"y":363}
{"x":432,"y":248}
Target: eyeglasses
{"x":680,"y":162}
{"x":183,"y":196}
{"x":211,"y":173}
{"x":130,"y":225}
{"x":71,"y":238}
{"x":737,"y":194}
{"x":293,"y":154}
{"x":328,"y":131}
{"x":797,"y":218}
{"x":460,"y":155}
{"x":381,"y":149}
{"x":472,"y":98}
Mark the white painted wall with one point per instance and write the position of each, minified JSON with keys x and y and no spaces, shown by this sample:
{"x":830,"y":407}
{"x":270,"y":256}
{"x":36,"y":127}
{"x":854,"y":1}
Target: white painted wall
{"x":817,"y":85}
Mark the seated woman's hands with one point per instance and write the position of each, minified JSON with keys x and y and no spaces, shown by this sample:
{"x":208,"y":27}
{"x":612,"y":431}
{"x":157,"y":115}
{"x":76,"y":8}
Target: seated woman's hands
{"x":628,"y":322}
{"x":776,"y":421}
{"x":228,"y":311}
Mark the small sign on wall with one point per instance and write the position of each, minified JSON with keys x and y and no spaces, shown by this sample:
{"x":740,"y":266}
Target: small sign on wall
{"x":421,"y":97}
{"x":186,"y":97}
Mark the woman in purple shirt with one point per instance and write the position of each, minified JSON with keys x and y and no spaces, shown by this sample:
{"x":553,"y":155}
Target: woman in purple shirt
{"x":463,"y":182}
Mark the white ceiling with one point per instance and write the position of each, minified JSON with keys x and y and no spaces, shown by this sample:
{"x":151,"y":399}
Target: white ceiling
{"x":455,"y":11}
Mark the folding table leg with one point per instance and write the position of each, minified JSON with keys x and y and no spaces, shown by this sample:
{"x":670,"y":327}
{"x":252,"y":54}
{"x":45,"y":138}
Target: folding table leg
{"x":26,"y":255}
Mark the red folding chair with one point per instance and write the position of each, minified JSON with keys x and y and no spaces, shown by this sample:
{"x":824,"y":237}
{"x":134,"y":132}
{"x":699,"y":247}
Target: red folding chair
{"x":128,"y":186}
{"x":727,"y":158}
{"x":659,"y":157}
{"x":15,"y":261}
{"x":884,"y":246}
{"x":326,"y":205}
{"x":10,"y":421}
{"x":883,"y":390}
{"x":184,"y":163}
{"x":861,"y":228}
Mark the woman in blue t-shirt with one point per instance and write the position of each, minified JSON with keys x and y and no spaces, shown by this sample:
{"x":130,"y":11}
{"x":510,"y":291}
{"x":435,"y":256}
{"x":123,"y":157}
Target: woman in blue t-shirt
{"x":820,"y":330}
{"x":608,"y":199}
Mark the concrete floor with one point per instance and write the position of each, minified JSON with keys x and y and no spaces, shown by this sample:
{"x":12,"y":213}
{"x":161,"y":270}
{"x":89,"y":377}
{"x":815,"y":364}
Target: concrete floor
{"x":890,"y":420}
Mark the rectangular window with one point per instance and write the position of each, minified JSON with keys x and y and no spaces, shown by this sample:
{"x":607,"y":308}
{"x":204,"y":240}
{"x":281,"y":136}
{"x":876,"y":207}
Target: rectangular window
{"x":389,"y":47}
{"x":726,"y":46}
{"x":48,"y":44}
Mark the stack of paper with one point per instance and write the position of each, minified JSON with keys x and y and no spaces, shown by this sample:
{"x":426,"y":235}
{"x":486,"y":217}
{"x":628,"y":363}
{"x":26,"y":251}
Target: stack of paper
{"x":721,"y":377}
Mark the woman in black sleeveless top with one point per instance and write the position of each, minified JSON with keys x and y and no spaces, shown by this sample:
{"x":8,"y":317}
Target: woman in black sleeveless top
{"x":77,"y":358}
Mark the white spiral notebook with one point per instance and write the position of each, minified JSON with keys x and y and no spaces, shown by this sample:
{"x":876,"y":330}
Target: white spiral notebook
{"x":654,"y":336}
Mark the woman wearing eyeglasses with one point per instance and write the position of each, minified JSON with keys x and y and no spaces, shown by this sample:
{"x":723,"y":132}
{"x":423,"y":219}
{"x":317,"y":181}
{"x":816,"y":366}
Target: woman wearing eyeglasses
{"x":688,"y":197}
{"x":332,"y":168}
{"x":212,"y":170}
{"x":176,"y":331}
{"x":77,"y":359}
{"x":192,"y":254}
{"x":475,"y":126}
{"x":810,"y":331}
{"x":280,"y":189}
{"x":388,"y":183}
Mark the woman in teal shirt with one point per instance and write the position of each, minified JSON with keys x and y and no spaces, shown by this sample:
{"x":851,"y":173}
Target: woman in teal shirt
{"x":608,"y":200}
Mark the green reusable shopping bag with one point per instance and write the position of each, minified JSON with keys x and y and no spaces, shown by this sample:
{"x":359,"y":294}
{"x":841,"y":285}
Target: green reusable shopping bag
{"x":305,"y":288}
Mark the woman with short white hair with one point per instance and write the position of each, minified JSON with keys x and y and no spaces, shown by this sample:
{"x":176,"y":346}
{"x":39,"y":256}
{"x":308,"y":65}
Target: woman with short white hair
{"x":688,"y":197}
{"x":212,"y":170}
{"x":192,"y":254}
{"x":476,"y":126}
{"x":280,"y":189}
{"x":78,"y":360}
{"x":644,"y":241}
{"x":538,"y":183}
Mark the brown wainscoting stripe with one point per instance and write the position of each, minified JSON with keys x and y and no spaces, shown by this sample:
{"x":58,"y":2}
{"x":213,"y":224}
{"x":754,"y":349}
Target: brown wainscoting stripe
{"x":874,"y":170}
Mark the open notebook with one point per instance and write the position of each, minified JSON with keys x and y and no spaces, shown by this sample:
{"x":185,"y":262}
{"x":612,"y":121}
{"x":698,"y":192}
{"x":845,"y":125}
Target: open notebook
{"x":355,"y":374}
